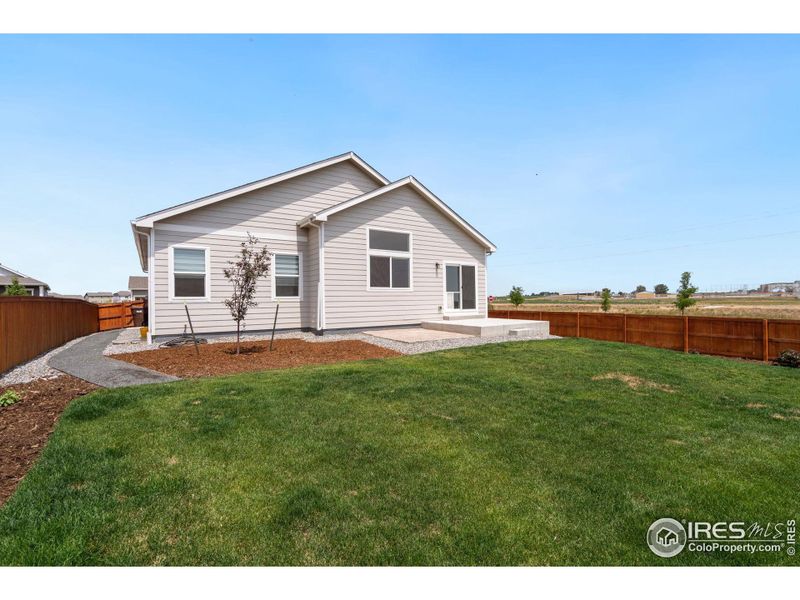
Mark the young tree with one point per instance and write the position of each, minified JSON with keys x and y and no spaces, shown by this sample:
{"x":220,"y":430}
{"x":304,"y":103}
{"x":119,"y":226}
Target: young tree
{"x":606,"y":302}
{"x":244,"y":275}
{"x":685,"y":292}
{"x":16,"y":289}
{"x":516,"y":296}
{"x":639,"y":288}
{"x":661,"y":289}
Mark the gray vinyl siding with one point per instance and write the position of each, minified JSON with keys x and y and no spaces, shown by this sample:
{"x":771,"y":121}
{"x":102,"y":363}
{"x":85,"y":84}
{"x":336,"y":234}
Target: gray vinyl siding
{"x":276,"y":208}
{"x":435,"y":239}
{"x":280,"y":206}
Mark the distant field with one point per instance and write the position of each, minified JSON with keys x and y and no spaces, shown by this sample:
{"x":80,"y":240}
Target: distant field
{"x":770,"y":307}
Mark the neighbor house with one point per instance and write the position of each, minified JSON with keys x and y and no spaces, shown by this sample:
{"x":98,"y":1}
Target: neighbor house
{"x":138,"y":287}
{"x":33,"y":286}
{"x":349,"y":248}
{"x":99,"y":297}
{"x":123,"y":296}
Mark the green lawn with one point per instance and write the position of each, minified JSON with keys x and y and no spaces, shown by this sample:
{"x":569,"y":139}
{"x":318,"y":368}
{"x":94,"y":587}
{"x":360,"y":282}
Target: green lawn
{"x":495,"y":455}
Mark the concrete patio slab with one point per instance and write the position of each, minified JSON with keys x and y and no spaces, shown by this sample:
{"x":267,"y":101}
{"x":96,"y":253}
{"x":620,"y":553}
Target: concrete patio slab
{"x":411,"y":335}
{"x":85,"y":360}
{"x":490,"y":327}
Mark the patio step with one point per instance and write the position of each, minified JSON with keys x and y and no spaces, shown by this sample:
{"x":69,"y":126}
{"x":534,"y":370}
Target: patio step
{"x":529,"y":331}
{"x":484,"y":327}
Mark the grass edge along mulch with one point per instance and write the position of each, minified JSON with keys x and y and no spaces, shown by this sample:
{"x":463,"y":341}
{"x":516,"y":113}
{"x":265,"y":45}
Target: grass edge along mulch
{"x":26,"y":425}
{"x":219,"y":359}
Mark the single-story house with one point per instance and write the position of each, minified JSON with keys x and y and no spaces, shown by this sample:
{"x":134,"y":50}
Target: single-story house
{"x":123,"y":296}
{"x":350,"y":250}
{"x":138,"y":286}
{"x":99,"y":297}
{"x":34,"y":286}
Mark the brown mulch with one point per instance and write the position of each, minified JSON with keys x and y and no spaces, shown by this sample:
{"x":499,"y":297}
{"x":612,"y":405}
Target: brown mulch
{"x":26,"y":425}
{"x":220,"y":359}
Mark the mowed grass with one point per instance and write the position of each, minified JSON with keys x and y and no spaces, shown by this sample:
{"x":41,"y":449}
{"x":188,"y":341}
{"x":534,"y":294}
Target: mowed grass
{"x":503,"y":454}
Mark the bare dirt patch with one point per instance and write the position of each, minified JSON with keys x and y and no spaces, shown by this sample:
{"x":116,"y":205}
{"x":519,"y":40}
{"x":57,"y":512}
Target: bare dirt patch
{"x":221,"y":359}
{"x":755,"y":405}
{"x":26,"y":425}
{"x":635,"y":383}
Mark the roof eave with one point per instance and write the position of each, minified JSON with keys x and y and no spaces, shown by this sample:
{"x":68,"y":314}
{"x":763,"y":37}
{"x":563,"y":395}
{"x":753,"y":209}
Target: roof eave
{"x":137,"y":235}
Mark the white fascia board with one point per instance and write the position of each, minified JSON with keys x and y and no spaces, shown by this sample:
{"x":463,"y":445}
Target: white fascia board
{"x":148,"y":220}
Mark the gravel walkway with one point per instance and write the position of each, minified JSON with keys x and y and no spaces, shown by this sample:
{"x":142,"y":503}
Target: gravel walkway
{"x":129,"y":341}
{"x":36,"y":368}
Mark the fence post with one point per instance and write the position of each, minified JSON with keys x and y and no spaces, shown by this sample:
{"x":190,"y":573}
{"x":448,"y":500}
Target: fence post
{"x":625,"y":327}
{"x":686,"y":334}
{"x":766,"y":340}
{"x":578,"y":326}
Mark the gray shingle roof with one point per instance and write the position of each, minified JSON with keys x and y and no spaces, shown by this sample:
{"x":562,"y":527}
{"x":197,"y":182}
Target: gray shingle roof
{"x":136,"y":282}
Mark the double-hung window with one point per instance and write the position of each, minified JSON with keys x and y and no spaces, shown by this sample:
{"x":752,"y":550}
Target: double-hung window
{"x":287,"y":276}
{"x":189,"y":275}
{"x":388,"y":259}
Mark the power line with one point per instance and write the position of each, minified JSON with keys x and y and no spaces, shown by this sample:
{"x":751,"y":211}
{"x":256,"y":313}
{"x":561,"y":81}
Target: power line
{"x":636,"y":252}
{"x":650,"y":235}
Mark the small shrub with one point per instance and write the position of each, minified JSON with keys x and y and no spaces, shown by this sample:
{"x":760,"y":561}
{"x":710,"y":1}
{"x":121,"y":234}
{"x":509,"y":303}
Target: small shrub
{"x":686,"y":290}
{"x":789,"y":358}
{"x":606,"y":303}
{"x":8,"y":398}
{"x":516,"y":296}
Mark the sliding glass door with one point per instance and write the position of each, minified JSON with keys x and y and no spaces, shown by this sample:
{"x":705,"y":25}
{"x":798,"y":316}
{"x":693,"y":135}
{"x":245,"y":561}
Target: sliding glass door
{"x":460,"y":287}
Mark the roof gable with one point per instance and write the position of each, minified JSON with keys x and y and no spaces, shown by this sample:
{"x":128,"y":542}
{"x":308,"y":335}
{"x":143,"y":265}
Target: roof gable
{"x":149,"y":219}
{"x":412,"y":182}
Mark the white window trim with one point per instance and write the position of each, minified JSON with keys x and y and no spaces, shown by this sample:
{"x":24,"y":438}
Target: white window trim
{"x":391,"y":253}
{"x":460,"y":311}
{"x":171,"y":270}
{"x":299,"y":256}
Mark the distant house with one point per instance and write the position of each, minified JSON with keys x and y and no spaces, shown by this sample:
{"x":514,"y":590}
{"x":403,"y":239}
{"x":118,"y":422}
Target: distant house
{"x":34,"y":286}
{"x":99,"y":297}
{"x":779,"y":287}
{"x":123,"y":296}
{"x":138,"y":286}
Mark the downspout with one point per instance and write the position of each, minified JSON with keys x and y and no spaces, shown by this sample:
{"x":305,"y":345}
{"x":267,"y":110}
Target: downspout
{"x":320,"y":277}
{"x":486,"y":283}
{"x":150,"y":283}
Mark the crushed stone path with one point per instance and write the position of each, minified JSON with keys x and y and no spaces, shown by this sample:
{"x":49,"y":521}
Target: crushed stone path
{"x":85,"y":360}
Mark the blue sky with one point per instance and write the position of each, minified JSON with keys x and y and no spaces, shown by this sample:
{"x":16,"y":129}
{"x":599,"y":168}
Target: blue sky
{"x":590,"y":161}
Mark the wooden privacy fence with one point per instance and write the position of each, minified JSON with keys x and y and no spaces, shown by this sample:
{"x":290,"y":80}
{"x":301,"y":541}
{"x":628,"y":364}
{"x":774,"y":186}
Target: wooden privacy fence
{"x":757,"y":339}
{"x":118,"y":315}
{"x":30,"y":326}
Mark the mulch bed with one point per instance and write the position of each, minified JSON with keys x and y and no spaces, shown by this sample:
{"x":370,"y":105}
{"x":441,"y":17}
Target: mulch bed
{"x":26,"y":425}
{"x":221,"y":359}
